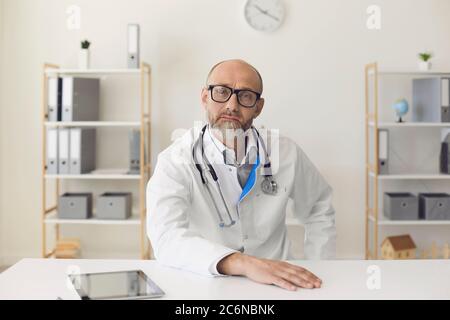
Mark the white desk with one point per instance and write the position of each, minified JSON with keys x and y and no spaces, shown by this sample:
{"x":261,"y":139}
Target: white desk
{"x":417,"y":279}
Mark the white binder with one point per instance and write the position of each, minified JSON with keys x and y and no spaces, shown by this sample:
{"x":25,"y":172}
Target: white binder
{"x":75,"y":150}
{"x":133,"y":46}
{"x":53,"y":99}
{"x":63,"y":151}
{"x":52,"y":151}
{"x":67,"y":97}
{"x":445,"y":100}
{"x":445,"y":92}
{"x":82,"y":150}
{"x":383,"y":151}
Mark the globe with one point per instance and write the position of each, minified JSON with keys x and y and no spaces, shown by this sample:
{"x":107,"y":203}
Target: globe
{"x":401,"y":107}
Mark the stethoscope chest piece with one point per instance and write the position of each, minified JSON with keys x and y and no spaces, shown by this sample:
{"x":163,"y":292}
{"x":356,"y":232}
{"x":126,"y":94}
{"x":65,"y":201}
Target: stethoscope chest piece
{"x":269,"y":186}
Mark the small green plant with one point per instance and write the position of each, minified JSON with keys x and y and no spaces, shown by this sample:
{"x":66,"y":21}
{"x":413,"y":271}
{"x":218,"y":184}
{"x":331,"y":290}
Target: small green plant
{"x":85,"y":44}
{"x":425,"y":56}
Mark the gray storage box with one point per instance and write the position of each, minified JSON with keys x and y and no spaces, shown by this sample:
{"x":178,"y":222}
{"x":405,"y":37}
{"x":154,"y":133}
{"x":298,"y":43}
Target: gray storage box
{"x":75,"y":206}
{"x":114,"y":205}
{"x":400,"y":206}
{"x":434,"y":206}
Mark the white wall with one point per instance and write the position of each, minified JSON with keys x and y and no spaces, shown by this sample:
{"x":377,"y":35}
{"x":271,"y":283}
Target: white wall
{"x":1,"y":133}
{"x":312,"y":68}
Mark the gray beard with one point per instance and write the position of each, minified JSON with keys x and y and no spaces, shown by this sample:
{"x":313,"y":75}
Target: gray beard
{"x":229,"y":131}
{"x":231,"y":135}
{"x":227,"y":126}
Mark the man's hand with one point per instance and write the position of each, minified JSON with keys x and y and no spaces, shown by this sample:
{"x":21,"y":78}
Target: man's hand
{"x":279,"y":273}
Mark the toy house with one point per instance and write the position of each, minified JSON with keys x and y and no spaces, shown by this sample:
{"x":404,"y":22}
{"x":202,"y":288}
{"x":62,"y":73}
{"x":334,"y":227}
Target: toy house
{"x":398,"y":247}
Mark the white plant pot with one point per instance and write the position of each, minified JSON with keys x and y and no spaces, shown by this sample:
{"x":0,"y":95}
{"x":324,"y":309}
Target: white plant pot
{"x":424,"y":65}
{"x":83,"y":59}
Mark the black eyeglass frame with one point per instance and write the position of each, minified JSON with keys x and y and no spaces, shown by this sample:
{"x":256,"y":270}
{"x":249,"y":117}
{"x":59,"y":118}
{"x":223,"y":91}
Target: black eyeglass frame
{"x":234,"y":91}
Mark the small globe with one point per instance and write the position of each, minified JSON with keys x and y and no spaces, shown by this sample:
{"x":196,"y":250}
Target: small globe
{"x":401,"y":108}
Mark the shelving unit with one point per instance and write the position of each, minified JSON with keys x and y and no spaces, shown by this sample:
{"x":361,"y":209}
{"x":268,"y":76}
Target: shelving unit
{"x":386,"y":125}
{"x":382,"y":221}
{"x":94,"y":176}
{"x":410,"y":176}
{"x":53,"y":219}
{"x":49,"y":216}
{"x":53,"y":69}
{"x":94,"y":124}
{"x":372,"y":177}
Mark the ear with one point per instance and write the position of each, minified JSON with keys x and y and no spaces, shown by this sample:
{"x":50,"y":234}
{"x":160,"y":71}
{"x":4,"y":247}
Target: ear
{"x":204,"y":97}
{"x":259,"y":107}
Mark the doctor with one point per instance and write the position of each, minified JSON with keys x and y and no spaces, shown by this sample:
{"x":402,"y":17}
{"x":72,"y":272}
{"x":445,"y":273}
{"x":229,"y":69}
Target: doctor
{"x":217,"y":199}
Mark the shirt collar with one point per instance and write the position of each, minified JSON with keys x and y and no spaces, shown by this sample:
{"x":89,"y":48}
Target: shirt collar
{"x":222,"y":153}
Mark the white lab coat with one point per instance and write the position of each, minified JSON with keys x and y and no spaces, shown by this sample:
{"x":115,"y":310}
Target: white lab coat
{"x":183,"y":225}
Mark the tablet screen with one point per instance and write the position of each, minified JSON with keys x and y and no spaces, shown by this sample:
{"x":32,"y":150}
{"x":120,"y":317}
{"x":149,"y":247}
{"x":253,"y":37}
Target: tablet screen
{"x":133,"y":284}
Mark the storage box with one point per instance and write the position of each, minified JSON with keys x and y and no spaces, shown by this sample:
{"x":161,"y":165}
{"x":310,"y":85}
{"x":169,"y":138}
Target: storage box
{"x":434,"y":206}
{"x":400,"y":206}
{"x":75,"y":206}
{"x":114,"y":205}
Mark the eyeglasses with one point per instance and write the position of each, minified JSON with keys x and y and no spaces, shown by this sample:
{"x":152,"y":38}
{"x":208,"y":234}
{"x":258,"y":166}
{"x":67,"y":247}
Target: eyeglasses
{"x":246,"y":98}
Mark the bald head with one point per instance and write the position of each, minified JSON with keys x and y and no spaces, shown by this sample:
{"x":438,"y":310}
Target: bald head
{"x":222,"y":69}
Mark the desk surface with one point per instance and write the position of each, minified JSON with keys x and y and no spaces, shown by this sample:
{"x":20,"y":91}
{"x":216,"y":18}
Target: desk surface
{"x":413,"y":279}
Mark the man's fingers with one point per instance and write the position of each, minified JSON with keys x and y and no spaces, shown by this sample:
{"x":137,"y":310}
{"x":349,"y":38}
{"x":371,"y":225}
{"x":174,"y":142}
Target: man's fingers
{"x":305,"y":274}
{"x":309,"y":273}
{"x":299,"y":268}
{"x":296,"y":279}
{"x":311,"y":278}
{"x":282,"y":283}
{"x":303,"y":270}
{"x":310,"y":281}
{"x":284,"y":275}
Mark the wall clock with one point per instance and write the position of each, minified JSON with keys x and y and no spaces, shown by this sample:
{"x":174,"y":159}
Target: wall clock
{"x":264,"y":15}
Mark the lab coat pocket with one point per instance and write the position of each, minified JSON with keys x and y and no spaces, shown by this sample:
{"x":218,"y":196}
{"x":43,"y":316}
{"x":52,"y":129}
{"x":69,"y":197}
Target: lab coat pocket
{"x":269,"y":211}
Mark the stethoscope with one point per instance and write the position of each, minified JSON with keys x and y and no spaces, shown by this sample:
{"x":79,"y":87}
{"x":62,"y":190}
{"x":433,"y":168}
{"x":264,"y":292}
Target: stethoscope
{"x":268,"y":185}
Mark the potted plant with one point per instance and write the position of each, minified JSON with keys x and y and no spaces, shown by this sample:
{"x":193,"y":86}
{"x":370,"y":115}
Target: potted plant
{"x":424,"y":63}
{"x":83,"y":58}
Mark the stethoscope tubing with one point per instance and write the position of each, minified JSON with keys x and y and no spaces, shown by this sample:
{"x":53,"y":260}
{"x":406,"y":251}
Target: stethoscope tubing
{"x":214,"y":176}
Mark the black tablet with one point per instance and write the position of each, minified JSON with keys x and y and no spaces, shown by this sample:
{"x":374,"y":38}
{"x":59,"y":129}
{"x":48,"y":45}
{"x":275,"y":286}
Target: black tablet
{"x":134,"y":284}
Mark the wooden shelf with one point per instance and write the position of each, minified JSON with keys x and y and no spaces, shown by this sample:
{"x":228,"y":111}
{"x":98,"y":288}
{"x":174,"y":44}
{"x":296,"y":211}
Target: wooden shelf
{"x":373,"y":184}
{"x":112,"y":174}
{"x":49,"y":213}
{"x":412,"y":72}
{"x":94,"y":176}
{"x":383,"y":221}
{"x":385,"y":125}
{"x":436,"y":176}
{"x":50,"y":71}
{"x":94,"y":123}
{"x":53,"y":219}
